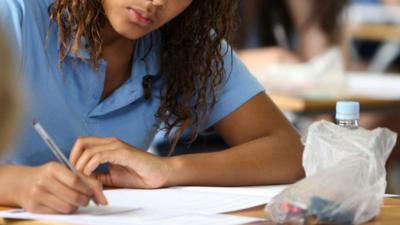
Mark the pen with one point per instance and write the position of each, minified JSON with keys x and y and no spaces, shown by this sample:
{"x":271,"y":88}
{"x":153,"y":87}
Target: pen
{"x":53,"y":146}
{"x":55,"y":149}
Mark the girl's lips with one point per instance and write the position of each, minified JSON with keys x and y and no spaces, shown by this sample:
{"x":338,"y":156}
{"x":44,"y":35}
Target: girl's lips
{"x":135,"y":16}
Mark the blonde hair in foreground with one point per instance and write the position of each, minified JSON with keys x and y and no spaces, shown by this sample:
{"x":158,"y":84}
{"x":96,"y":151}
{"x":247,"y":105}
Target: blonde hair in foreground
{"x":9,"y":98}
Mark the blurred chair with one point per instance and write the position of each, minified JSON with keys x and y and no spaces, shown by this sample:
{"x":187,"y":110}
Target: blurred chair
{"x":373,"y":33}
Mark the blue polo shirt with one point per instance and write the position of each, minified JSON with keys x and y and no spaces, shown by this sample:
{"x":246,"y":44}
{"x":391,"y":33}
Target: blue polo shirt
{"x":66,"y":100}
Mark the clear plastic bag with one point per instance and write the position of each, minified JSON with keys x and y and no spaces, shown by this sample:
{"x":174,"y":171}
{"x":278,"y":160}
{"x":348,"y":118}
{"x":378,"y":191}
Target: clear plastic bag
{"x":345,"y":177}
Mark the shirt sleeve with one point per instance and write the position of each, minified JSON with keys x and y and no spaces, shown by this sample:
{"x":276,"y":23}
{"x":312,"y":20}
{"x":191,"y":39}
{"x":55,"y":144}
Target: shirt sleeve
{"x":238,"y":87}
{"x":11,"y":19}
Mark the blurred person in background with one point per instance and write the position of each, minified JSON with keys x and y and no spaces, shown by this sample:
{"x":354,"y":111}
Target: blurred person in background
{"x":391,"y":2}
{"x":292,"y":30}
{"x":8,"y":96}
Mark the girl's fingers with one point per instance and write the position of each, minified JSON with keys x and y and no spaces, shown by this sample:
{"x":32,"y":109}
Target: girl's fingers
{"x":97,"y":159}
{"x":90,"y":152}
{"x":85,"y":142}
{"x":91,"y":187}
{"x":68,"y":179}
{"x":97,"y":189}
{"x":43,"y":209}
{"x":67,"y":194}
{"x":120,"y":176}
{"x":57,"y":205}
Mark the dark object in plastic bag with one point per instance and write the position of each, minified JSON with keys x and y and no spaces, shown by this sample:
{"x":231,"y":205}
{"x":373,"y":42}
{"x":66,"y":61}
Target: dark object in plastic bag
{"x":290,"y":212}
{"x":324,"y":211}
{"x":320,"y":211}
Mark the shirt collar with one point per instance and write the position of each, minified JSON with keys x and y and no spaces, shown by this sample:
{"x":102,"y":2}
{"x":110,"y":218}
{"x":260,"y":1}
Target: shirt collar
{"x":147,"y":53}
{"x":146,"y":62}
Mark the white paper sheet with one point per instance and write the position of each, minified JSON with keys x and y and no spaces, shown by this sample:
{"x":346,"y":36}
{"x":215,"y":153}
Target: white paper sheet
{"x":374,"y":86}
{"x":391,"y":196}
{"x":266,"y":192}
{"x":177,"y":205}
{"x":197,"y":199}
{"x":130,"y":216}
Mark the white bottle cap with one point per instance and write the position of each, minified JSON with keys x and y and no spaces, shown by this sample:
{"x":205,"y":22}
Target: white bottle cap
{"x":347,"y":110}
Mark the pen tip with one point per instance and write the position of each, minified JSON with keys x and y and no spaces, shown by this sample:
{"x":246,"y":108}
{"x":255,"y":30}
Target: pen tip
{"x":34,"y":121}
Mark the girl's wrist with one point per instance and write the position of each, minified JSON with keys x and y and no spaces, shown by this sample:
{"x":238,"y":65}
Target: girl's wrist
{"x":175,"y":171}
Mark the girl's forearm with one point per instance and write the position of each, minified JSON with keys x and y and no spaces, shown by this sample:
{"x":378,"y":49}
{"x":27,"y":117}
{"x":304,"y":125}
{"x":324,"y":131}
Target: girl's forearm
{"x":11,"y":178}
{"x":267,"y":160}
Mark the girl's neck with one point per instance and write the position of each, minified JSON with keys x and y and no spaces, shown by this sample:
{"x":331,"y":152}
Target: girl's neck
{"x":116,"y":46}
{"x":118,"y":52}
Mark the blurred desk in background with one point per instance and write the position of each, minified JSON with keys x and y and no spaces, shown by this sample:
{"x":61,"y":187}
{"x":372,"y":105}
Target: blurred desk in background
{"x":374,"y":32}
{"x":374,"y":91}
{"x":388,"y":35}
{"x":375,"y":22}
{"x":302,"y":105}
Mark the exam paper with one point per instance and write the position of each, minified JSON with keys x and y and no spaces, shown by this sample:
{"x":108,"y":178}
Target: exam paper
{"x":266,"y":192}
{"x":194,"y":199}
{"x":132,"y":216}
{"x":176,"y":205}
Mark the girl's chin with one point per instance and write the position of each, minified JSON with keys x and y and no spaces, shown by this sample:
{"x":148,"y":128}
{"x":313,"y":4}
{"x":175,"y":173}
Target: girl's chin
{"x":133,"y":33}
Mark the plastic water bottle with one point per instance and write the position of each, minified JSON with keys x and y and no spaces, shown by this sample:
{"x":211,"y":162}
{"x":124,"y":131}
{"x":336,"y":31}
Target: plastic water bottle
{"x":348,"y":114}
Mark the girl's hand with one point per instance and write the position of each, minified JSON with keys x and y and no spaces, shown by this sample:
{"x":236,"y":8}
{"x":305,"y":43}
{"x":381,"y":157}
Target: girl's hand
{"x":128,"y":166}
{"x":52,"y":188}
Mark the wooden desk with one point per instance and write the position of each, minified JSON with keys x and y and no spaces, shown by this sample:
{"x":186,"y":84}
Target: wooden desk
{"x":374,"y":32}
{"x":308,"y":106}
{"x":390,"y":215}
{"x":386,"y":34}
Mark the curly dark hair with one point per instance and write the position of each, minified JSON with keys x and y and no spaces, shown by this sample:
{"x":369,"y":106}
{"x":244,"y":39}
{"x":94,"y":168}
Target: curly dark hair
{"x":192,"y":41}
